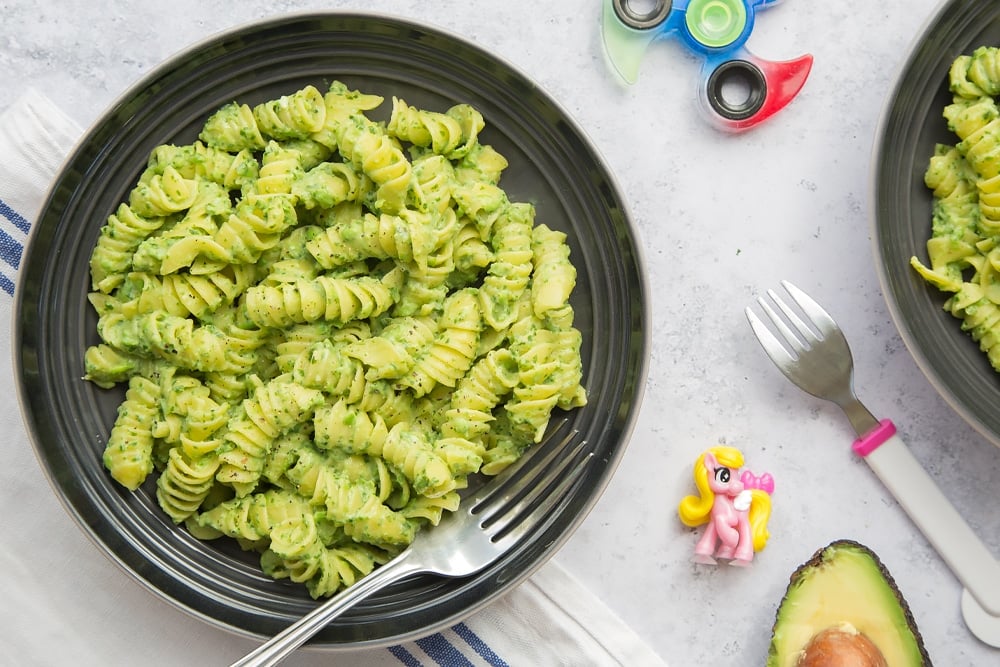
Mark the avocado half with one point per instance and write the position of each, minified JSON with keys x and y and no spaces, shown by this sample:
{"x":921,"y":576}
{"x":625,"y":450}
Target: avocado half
{"x":843,"y":602}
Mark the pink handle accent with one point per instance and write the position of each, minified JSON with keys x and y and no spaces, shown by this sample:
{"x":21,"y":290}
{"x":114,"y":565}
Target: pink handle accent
{"x":765,"y":482}
{"x":874,"y":438}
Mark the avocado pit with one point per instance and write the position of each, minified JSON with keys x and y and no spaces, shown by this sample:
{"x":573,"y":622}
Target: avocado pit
{"x":841,"y":646}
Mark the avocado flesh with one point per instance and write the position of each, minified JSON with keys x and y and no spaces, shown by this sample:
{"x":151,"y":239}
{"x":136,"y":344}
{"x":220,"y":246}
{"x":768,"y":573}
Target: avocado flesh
{"x":845,"y":585}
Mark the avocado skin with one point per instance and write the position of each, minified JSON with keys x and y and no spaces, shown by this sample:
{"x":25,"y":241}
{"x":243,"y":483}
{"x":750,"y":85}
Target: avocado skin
{"x":817,"y":560}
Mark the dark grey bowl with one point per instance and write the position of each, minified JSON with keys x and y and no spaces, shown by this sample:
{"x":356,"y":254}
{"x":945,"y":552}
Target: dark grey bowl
{"x":552,"y":165}
{"x":912,"y":123}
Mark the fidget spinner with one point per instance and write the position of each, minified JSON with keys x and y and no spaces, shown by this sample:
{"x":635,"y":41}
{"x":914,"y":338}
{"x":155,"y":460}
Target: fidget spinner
{"x":716,"y":30}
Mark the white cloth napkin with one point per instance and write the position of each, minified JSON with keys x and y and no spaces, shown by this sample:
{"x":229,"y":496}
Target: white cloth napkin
{"x":65,"y":603}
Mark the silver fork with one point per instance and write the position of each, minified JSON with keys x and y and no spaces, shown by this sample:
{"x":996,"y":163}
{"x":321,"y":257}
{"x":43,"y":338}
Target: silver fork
{"x":813,"y":353}
{"x":486,"y":526}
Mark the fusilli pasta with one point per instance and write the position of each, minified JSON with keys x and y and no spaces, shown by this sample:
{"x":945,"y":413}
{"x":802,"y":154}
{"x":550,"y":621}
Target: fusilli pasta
{"x":964,"y":248}
{"x":327,"y":323}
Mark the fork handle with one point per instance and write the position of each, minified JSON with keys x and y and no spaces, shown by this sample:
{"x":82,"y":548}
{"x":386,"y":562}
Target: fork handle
{"x":942,"y":525}
{"x":284,"y":643}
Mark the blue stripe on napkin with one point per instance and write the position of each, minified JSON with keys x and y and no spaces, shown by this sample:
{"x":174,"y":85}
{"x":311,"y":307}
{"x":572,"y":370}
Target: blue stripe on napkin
{"x":404,"y":656}
{"x":19,"y":220}
{"x":478,"y":645}
{"x":10,"y":248}
{"x":447,"y":653}
{"x":443,"y":652}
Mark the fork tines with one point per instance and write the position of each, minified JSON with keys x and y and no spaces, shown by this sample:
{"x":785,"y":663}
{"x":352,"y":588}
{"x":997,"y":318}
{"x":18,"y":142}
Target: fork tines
{"x":796,"y":335}
{"x":526,"y":493}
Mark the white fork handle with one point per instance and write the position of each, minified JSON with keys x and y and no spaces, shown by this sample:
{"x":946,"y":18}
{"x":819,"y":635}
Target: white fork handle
{"x":937,"y":518}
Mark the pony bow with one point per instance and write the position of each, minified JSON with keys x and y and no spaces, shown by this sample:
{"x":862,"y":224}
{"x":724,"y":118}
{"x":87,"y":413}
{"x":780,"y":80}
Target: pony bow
{"x":764,"y":482}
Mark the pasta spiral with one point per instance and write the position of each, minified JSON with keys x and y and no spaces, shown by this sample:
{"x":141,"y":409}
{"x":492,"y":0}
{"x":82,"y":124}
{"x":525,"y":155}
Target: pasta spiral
{"x":294,"y":341}
{"x":325,"y":298}
{"x":980,"y":319}
{"x":163,"y":194}
{"x":393,"y":352}
{"x":554,"y":276}
{"x":354,"y":505}
{"x":198,"y":161}
{"x":295,"y":116}
{"x":470,"y":409}
{"x":173,"y":339}
{"x":326,"y":366}
{"x":471,"y":122}
{"x":233,"y":128}
{"x":128,"y":454}
{"x":328,"y":184}
{"x":106,"y":366}
{"x":411,"y":452}
{"x":430,"y":510}
{"x":280,"y":168}
{"x":187,"y":401}
{"x":482,"y":203}
{"x":480,"y":164}
{"x":254,"y":227}
{"x":453,"y":349}
{"x":507,"y":276}
{"x":548,"y":376}
{"x":119,"y":239}
{"x":273,"y":409}
{"x":471,"y":254}
{"x":977,"y":75}
{"x":424,"y":293}
{"x":379,"y":397}
{"x":438,"y":131}
{"x":433,"y":176}
{"x":184,"y":294}
{"x":342,"y":105}
{"x":252,"y":518}
{"x":406,"y":237}
{"x":469,"y":414}
{"x":380,"y":158}
{"x":184,"y":484}
{"x":327,"y":571}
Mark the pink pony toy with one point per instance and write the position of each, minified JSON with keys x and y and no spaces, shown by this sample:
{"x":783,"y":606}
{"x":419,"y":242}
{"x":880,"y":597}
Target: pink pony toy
{"x":736,"y":509}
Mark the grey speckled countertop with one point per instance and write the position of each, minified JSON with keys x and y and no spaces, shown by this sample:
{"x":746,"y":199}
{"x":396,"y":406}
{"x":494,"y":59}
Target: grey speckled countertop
{"x":721,"y":217}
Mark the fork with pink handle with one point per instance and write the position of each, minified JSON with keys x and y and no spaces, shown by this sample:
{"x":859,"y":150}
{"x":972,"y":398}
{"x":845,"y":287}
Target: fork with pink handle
{"x":816,"y":357}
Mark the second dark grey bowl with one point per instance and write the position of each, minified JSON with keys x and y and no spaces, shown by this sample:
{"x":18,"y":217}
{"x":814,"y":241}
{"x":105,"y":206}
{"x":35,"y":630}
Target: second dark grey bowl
{"x":911,"y":125}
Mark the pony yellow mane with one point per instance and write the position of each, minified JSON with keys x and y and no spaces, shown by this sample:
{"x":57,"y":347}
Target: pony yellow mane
{"x":695,"y":510}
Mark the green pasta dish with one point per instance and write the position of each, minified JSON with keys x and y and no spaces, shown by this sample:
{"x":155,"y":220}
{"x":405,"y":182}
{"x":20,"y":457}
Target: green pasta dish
{"x":964,"y":248}
{"x":325,"y":324}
